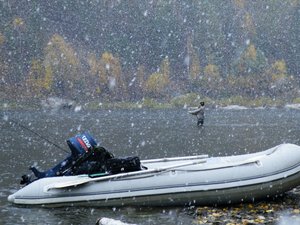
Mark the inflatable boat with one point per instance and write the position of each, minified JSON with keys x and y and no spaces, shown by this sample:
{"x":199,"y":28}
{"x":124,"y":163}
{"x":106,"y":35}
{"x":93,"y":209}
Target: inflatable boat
{"x":181,"y":181}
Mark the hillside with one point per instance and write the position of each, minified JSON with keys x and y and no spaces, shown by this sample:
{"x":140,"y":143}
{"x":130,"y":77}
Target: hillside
{"x":121,"y":50}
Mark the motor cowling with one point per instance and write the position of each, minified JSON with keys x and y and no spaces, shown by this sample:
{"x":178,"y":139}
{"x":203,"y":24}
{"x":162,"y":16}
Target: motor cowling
{"x":81,"y":144}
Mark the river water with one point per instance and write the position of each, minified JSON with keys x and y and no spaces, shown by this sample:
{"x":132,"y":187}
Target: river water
{"x":147,"y":133}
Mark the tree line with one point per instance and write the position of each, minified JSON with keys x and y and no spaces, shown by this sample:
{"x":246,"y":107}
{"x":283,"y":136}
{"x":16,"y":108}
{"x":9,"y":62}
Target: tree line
{"x":129,"y":50}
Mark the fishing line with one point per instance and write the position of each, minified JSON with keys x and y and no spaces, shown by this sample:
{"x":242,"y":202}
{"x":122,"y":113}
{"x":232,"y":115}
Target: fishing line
{"x":32,"y":131}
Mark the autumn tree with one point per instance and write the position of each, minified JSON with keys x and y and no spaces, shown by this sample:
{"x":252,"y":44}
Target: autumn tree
{"x":40,"y":79}
{"x":111,"y":77}
{"x":249,"y":62}
{"x":157,"y":82}
{"x":62,"y":61}
{"x":155,"y":85}
{"x":278,"y":71}
{"x":280,"y":83}
{"x":35,"y":79}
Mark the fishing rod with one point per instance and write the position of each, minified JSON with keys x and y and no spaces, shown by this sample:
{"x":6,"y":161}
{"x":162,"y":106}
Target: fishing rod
{"x":37,"y":134}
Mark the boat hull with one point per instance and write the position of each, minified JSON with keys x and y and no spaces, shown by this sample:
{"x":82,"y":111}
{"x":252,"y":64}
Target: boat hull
{"x":218,"y":181}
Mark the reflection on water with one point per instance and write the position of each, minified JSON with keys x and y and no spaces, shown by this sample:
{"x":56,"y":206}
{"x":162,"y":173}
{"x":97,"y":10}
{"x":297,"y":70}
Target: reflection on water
{"x":142,"y":132}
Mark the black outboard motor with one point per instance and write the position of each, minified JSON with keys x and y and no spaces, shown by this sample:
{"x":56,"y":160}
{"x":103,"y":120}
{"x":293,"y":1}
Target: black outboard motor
{"x":80,"y":145}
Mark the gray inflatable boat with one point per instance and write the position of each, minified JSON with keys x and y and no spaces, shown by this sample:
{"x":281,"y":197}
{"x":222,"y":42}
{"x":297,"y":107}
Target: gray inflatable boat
{"x":184,"y":181}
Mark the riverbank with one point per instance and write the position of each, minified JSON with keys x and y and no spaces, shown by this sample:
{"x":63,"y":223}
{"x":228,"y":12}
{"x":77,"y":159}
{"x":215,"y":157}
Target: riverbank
{"x":182,"y":101}
{"x":282,"y":210}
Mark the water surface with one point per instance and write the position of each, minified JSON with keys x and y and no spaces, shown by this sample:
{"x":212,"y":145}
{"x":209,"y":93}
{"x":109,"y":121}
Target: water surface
{"x":143,"y":132}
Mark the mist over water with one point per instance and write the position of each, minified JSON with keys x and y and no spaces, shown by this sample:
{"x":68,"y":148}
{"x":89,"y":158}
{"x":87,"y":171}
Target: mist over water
{"x":143,"y":132}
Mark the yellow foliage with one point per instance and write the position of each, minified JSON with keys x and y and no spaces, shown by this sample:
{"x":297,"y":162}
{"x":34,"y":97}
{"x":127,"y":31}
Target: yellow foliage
{"x":278,"y":70}
{"x":40,"y":77}
{"x":211,"y":71}
{"x":107,"y":57}
{"x":111,"y":65}
{"x":62,"y":61}
{"x":110,"y":69}
{"x":98,"y":90}
{"x":18,"y":22}
{"x":105,"y":67}
{"x":279,"y":66}
{"x":251,"y":52}
{"x":61,"y":52}
{"x":156,"y":83}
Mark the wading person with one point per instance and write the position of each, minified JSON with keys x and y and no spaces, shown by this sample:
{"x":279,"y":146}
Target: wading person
{"x":200,"y":115}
